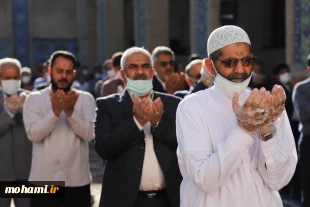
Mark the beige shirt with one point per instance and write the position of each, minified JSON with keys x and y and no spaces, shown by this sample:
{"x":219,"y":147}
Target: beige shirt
{"x":152,"y":175}
{"x":60,"y":144}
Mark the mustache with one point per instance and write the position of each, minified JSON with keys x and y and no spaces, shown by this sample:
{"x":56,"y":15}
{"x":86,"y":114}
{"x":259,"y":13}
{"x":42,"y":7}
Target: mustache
{"x":237,"y":76}
{"x":169,"y":71}
{"x":63,"y":80}
{"x":140,"y":77}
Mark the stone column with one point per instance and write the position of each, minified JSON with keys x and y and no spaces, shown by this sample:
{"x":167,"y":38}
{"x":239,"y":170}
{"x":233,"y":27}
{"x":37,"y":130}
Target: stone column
{"x":199,"y":26}
{"x":82,"y":31}
{"x":151,"y":23}
{"x":21,"y":31}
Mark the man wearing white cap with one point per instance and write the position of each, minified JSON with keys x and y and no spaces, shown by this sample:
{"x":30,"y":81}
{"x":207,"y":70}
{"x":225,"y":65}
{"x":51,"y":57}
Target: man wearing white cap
{"x":236,"y":146}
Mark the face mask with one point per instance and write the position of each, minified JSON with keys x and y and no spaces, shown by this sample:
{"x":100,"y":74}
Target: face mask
{"x":139,"y":87}
{"x":231,"y":87}
{"x":97,"y":75}
{"x":285,"y":78}
{"x":10,"y":86}
{"x":26,"y":79}
{"x":111,"y":73}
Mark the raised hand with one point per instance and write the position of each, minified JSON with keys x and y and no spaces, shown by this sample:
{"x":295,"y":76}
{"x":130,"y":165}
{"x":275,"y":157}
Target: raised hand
{"x":57,"y":99}
{"x":141,"y":109}
{"x":70,"y":99}
{"x":157,"y":111}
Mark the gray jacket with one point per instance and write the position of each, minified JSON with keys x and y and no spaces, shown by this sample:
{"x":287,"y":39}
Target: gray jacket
{"x":15,"y":147}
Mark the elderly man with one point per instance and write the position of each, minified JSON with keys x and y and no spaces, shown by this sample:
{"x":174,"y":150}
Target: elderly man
{"x":236,"y":146}
{"x":193,"y":76}
{"x":301,"y":100}
{"x":135,"y":133}
{"x":15,"y":148}
{"x":59,"y":122}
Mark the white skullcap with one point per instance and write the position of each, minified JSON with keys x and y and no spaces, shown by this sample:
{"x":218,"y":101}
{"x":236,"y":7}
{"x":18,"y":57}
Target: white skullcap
{"x":25,"y":69}
{"x":226,"y":35}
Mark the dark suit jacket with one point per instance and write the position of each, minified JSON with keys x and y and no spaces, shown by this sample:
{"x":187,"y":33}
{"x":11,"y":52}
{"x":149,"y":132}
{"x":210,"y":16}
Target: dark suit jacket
{"x":120,"y":142}
{"x":199,"y":87}
{"x":15,"y":147}
{"x":157,"y":86}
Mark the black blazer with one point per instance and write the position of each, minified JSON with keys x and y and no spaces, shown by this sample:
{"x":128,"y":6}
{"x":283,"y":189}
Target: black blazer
{"x":157,"y":86}
{"x":120,"y":142}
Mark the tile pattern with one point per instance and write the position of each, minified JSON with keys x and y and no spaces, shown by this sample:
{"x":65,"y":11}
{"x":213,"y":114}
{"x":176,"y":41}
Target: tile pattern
{"x":201,"y":27}
{"x":21,"y":32}
{"x":301,"y":30}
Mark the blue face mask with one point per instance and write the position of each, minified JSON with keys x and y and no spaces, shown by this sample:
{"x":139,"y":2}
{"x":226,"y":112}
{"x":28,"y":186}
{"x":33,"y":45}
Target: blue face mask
{"x":139,"y":87}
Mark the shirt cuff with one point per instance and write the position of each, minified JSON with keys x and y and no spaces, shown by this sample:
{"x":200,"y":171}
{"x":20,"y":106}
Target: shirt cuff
{"x":267,"y":147}
{"x":240,"y":140}
{"x":138,"y":124}
{"x":9,"y":113}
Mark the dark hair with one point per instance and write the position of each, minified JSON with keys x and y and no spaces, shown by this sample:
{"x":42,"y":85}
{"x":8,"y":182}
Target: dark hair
{"x":193,"y":56}
{"x":64,"y":54}
{"x":116,"y":59}
{"x":280,"y":67}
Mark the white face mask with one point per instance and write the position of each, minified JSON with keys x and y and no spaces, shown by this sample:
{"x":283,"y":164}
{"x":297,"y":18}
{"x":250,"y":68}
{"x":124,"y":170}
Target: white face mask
{"x":285,"y":78}
{"x":10,"y":86}
{"x":26,"y":79}
{"x":111,"y":73}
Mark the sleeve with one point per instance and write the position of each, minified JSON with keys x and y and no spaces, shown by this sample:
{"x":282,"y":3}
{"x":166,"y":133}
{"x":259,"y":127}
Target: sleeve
{"x":301,"y":101}
{"x":112,"y":139}
{"x":38,"y":126}
{"x":208,"y":169}
{"x":166,"y":129}
{"x":277,"y":156}
{"x":82,"y":121}
{"x":6,"y":122}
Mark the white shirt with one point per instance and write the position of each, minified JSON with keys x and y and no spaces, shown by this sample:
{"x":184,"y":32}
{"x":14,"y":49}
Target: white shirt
{"x":60,"y":144}
{"x":152,"y":175}
{"x":222,"y":165}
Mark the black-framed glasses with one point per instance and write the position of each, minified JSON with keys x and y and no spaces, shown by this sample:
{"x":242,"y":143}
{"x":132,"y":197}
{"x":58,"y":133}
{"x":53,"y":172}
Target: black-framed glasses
{"x":233,"y":62}
{"x":165,"y":63}
{"x":198,"y":76}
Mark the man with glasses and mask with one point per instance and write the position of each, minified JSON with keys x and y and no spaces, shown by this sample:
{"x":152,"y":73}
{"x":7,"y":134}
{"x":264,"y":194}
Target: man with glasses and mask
{"x":235,"y":146}
{"x":135,"y":134}
{"x":59,"y":122}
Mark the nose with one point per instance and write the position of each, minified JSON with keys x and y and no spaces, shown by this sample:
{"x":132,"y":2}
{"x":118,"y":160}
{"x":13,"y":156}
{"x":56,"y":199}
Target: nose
{"x":239,"y":68}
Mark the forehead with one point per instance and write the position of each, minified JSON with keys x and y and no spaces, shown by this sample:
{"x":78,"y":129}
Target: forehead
{"x":236,"y":50}
{"x":166,"y":57}
{"x":137,"y":58}
{"x":63,"y":63}
{"x":9,"y":68}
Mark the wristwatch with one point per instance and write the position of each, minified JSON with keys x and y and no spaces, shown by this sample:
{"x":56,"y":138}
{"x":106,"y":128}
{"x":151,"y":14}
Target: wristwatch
{"x":267,"y":136}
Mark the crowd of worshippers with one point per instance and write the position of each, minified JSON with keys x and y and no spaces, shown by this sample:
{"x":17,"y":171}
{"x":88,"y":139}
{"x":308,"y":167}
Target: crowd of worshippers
{"x":217,"y":133}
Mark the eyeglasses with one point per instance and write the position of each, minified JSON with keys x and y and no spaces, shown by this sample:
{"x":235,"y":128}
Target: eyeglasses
{"x":233,"y":62}
{"x":198,"y":76}
{"x":165,"y":63}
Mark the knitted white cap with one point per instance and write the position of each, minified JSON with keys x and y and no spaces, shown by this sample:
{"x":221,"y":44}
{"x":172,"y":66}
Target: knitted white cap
{"x":224,"y":36}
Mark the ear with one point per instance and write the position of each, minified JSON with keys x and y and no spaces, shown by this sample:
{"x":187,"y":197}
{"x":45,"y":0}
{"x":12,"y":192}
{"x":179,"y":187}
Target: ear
{"x":122,"y":73}
{"x":209,"y":66}
{"x":49,"y":70}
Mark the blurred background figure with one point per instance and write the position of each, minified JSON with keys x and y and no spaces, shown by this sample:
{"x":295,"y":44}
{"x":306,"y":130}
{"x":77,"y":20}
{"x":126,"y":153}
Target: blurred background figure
{"x":39,"y":84}
{"x":107,"y":66}
{"x":26,"y":79}
{"x":80,"y":82}
{"x":206,"y":80}
{"x":259,"y":78}
{"x":192,"y":77}
{"x":115,"y":83}
{"x":15,"y":148}
{"x":193,"y":56}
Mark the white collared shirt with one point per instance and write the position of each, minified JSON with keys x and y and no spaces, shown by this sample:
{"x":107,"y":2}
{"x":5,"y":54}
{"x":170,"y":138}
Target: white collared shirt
{"x":152,"y":175}
{"x":221,"y":164}
{"x":60,"y":144}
